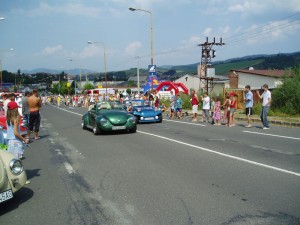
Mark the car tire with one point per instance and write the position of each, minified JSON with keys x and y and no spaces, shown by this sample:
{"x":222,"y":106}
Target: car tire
{"x":160,"y":119}
{"x":133,"y":130}
{"x":83,"y":125}
{"x":96,"y":130}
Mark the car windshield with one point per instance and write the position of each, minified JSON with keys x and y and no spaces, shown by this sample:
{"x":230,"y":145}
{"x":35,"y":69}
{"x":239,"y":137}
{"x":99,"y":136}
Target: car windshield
{"x":109,"y":105}
{"x":140,"y":103}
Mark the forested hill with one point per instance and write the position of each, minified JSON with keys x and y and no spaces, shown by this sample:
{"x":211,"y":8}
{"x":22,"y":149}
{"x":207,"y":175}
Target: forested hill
{"x":278,"y":61}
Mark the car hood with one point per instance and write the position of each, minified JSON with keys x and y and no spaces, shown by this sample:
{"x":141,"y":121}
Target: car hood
{"x":145,"y":108}
{"x":2,"y":173}
{"x":116,"y":117}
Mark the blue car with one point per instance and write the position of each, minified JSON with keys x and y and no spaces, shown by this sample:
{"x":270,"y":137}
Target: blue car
{"x":143,"y":112}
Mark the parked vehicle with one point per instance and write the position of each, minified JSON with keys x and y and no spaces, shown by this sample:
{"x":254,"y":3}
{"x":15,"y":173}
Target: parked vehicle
{"x":108,"y":117}
{"x":144,"y":113}
{"x":12,"y":175}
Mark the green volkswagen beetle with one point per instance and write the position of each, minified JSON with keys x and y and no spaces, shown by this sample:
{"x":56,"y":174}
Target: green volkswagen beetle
{"x":108,"y":116}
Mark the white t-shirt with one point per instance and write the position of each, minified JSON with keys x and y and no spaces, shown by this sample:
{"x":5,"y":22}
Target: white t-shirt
{"x":266,"y":96}
{"x":206,"y":103}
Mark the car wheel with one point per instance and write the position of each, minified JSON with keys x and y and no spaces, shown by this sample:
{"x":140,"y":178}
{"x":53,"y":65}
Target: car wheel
{"x":133,"y":130}
{"x":83,"y":125}
{"x":137,"y":119}
{"x":96,"y":130}
{"x":160,"y":118}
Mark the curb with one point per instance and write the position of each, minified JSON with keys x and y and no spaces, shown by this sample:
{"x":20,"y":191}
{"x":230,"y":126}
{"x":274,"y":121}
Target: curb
{"x":257,"y":120}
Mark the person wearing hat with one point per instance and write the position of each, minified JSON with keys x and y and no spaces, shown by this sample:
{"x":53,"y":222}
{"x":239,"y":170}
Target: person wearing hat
{"x":15,"y":139}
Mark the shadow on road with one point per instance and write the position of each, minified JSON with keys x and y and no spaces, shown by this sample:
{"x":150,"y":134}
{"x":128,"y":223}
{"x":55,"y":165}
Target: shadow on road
{"x":23,"y":195}
{"x":32,"y":173}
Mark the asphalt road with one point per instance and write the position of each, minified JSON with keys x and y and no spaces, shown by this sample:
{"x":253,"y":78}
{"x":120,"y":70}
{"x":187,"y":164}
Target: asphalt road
{"x":176,"y":172}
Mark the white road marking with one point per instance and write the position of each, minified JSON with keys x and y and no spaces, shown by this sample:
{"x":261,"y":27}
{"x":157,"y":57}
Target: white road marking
{"x":225,"y":155}
{"x":58,"y":152}
{"x":69,"y":111}
{"x":69,"y":168}
{"x":212,"y":151}
{"x":175,"y":121}
{"x":273,"y":135}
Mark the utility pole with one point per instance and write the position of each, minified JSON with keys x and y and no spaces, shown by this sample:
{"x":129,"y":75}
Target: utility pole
{"x":207,"y":54}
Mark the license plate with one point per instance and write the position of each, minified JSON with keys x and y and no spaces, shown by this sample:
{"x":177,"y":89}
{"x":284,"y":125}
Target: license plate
{"x":4,"y":196}
{"x":118,"y":128}
{"x":149,"y":118}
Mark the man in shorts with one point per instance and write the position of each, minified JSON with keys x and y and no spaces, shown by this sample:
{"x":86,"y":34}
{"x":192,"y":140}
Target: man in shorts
{"x":178,"y":107}
{"x":248,"y":104}
{"x":34,"y":103}
{"x":26,"y":112}
{"x":195,"y":103}
{"x":205,"y":107}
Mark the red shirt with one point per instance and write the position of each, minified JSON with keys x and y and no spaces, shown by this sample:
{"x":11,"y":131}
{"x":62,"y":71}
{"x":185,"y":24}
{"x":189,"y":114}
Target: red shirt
{"x":195,"y":100}
{"x":233,"y":105}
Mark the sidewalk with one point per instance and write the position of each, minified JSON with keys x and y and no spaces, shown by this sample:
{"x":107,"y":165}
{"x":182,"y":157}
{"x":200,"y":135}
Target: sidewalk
{"x":283,"y":121}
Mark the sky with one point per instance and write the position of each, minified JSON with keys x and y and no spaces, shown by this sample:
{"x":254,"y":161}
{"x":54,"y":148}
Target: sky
{"x":47,"y":34}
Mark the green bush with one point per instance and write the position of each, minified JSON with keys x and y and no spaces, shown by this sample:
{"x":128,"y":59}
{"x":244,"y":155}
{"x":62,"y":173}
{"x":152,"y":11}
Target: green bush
{"x":286,"y":97}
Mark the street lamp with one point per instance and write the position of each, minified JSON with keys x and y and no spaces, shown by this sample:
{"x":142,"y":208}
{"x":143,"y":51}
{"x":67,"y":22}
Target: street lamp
{"x":104,"y":49}
{"x":151,"y":31}
{"x":72,"y":60}
{"x":3,"y":50}
{"x":138,"y":73}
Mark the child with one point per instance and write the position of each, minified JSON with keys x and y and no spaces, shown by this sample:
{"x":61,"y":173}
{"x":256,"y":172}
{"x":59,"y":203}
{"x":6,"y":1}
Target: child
{"x":15,"y":140}
{"x":232,"y":106}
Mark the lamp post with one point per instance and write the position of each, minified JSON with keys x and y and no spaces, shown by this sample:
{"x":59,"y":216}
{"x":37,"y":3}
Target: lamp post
{"x":105,"y":69}
{"x":3,"y":50}
{"x":80,"y":75}
{"x":138,"y":73}
{"x":151,"y":31}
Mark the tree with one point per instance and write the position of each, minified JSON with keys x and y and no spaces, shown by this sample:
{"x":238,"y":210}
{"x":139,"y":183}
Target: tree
{"x":88,"y":86}
{"x":286,"y":97}
{"x":131,"y":83}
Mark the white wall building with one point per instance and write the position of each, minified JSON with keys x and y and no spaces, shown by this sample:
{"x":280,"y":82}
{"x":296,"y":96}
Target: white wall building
{"x":256,"y":78}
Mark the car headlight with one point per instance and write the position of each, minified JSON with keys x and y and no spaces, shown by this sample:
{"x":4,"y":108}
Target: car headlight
{"x":16,"y":166}
{"x":103,"y":121}
{"x":139,"y":109}
{"x":132,"y":119}
{"x":156,"y":117}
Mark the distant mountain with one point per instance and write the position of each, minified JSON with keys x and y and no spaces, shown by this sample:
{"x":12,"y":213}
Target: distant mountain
{"x":52,"y":71}
{"x":261,"y":61}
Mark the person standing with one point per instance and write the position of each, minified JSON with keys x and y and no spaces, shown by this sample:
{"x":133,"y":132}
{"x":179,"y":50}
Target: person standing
{"x":233,"y":106}
{"x":266,"y":97}
{"x":34,"y":103}
{"x":217,"y":112}
{"x":226,"y":107}
{"x":25,"y":111}
{"x":195,"y":103}
{"x":15,"y":139}
{"x":248,"y":99}
{"x":178,"y":107}
{"x":9,"y":97}
{"x":212,"y":109}
{"x":205,"y":107}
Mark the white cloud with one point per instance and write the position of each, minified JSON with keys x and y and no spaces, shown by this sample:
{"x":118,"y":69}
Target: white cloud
{"x":132,"y":48}
{"x":260,"y":7}
{"x":71,"y":9}
{"x":52,"y":50}
{"x":90,"y":51}
{"x":207,"y":32}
